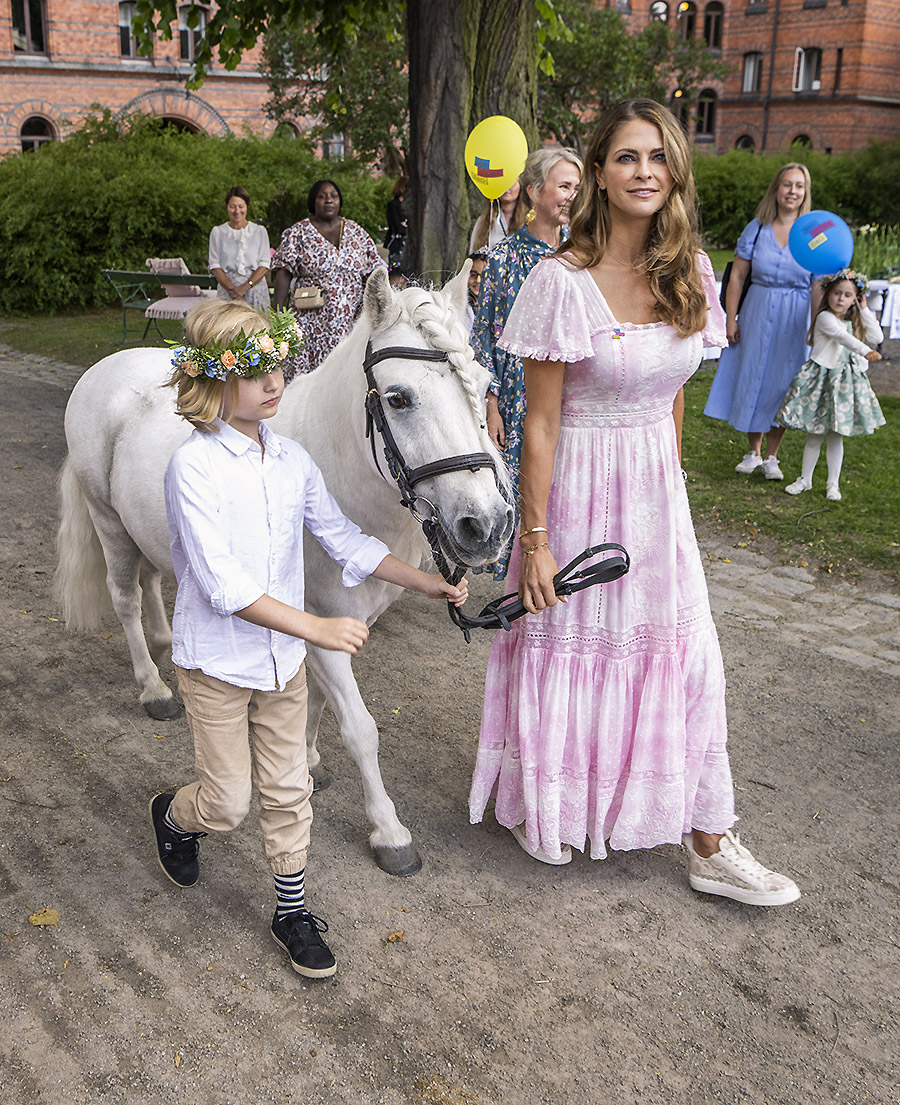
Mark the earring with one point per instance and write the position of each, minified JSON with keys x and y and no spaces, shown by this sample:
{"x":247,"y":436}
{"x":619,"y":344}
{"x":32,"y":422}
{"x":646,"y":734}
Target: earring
{"x":531,"y":216}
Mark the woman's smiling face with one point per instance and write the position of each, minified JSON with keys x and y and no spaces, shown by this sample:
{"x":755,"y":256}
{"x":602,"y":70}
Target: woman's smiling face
{"x":635,"y":175}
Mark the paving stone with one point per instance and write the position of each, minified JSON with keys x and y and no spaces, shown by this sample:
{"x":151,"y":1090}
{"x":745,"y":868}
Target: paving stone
{"x":884,"y":599}
{"x":784,"y":585}
{"x":803,"y":574}
{"x":852,"y":656}
{"x":741,"y":607}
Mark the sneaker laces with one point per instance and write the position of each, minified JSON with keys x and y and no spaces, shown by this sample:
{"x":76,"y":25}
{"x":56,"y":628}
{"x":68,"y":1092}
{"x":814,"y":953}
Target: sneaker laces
{"x":742,"y":858}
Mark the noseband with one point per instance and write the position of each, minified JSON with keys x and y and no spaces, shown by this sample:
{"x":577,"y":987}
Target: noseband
{"x":405,"y":477}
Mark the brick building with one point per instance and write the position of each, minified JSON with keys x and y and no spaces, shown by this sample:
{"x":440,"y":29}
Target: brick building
{"x":823,"y":72}
{"x":57,"y":57}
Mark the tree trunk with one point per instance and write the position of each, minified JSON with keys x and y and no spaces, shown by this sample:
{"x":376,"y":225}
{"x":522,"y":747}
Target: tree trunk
{"x":467,"y":59}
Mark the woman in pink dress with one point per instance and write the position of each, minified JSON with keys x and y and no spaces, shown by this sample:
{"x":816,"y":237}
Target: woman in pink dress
{"x":329,"y":252}
{"x":604,"y":716}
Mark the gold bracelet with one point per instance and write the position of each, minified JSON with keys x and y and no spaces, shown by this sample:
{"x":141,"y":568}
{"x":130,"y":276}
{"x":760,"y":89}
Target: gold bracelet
{"x":534,"y":529}
{"x":534,"y":548}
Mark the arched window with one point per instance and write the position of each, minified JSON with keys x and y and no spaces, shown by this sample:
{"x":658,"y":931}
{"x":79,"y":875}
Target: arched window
{"x":745,"y":142}
{"x":686,"y":18}
{"x":190,"y":37}
{"x":127,"y":43}
{"x":35,"y":132}
{"x":285,"y":130}
{"x":807,"y":69}
{"x":706,"y":113}
{"x":802,"y":140}
{"x":659,"y":11}
{"x":752,"y":80}
{"x":28,"y":23}
{"x":713,"y":14}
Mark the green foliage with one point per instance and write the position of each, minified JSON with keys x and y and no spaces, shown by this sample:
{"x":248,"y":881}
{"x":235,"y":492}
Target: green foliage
{"x":877,"y":251}
{"x":118,"y":192}
{"x":362,"y":93}
{"x":601,"y":62}
{"x":731,"y":186}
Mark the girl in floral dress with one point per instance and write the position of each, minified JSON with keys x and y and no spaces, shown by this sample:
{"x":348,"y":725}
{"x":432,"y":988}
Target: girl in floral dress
{"x":604,"y":716}
{"x":831,"y":397}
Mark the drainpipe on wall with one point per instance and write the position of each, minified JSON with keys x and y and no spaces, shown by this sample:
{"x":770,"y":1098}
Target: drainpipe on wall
{"x":765,"y":126}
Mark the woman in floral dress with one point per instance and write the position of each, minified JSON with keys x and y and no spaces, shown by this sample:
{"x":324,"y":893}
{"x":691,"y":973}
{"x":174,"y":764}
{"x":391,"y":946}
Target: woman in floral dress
{"x":329,"y":252}
{"x":550,"y":180}
{"x":604,"y":716}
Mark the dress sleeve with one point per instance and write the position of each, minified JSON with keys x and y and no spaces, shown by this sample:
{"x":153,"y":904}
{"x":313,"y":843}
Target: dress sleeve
{"x":550,"y":319}
{"x":215,"y":261}
{"x":714,"y":330}
{"x":288,"y":253}
{"x":874,"y":333}
{"x":747,"y":240}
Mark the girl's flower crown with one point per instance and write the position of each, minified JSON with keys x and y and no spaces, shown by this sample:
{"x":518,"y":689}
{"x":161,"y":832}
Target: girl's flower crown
{"x":859,"y":280}
{"x":246,"y":355}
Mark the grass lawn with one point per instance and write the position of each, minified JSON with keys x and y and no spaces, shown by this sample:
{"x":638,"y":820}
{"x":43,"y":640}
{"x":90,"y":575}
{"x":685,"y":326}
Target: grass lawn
{"x":720,"y":258}
{"x":82,"y":338}
{"x":862,"y":530}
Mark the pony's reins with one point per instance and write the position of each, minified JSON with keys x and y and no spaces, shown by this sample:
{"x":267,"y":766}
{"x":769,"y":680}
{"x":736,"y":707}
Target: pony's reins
{"x":499,"y":613}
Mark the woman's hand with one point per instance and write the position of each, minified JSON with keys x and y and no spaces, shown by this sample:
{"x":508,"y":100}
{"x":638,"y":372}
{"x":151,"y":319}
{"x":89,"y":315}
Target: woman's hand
{"x":238,"y":291}
{"x":732,"y":331}
{"x":536,"y":580}
{"x":496,"y":429}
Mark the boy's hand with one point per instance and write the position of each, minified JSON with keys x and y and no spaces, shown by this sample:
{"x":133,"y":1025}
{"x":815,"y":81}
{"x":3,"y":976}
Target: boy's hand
{"x":338,"y":634}
{"x":457,"y":595}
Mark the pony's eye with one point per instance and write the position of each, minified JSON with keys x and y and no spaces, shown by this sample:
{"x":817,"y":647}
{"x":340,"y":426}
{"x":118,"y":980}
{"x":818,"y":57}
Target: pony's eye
{"x":397,"y":402}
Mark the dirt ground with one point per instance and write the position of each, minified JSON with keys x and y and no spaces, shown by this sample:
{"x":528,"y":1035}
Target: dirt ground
{"x":512,"y":982}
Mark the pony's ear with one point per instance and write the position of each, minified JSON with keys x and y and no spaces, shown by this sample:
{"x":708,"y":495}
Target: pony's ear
{"x":458,"y":288}
{"x":380,"y":300}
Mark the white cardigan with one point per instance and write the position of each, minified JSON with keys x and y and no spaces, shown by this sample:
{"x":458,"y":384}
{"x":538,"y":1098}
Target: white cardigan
{"x":830,"y":334}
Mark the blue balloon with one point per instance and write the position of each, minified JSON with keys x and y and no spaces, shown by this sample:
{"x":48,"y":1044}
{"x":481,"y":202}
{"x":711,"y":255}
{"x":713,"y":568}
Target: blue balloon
{"x":821,"y":242}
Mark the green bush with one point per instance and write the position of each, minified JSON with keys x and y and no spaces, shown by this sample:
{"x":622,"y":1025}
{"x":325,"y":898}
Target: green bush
{"x":118,"y":192}
{"x":861,"y":187}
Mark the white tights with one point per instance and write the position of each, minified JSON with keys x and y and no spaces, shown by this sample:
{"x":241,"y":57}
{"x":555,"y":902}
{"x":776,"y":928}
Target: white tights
{"x":834,"y":457}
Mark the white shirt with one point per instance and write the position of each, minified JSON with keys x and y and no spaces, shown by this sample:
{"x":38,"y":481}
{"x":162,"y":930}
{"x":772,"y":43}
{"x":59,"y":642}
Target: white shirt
{"x":236,"y":518}
{"x":239,"y":252}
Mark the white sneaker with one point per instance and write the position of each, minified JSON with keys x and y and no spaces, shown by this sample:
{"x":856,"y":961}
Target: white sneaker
{"x":749,"y":463}
{"x":518,"y":832}
{"x":771,"y":470}
{"x":833,"y":492}
{"x":733,"y":873}
{"x":799,"y":485}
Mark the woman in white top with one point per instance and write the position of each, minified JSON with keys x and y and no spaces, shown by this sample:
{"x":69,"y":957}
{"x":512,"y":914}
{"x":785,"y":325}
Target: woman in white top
{"x":239,"y":254}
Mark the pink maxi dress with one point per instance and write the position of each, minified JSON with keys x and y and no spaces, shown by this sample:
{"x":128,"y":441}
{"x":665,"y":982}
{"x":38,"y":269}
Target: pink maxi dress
{"x":604,"y":717}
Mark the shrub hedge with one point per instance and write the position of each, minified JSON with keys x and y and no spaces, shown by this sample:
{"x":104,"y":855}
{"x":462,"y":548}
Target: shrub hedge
{"x":118,"y":192}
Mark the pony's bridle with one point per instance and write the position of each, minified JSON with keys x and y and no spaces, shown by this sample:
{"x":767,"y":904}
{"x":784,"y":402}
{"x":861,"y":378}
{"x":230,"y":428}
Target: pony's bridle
{"x":405,"y":477}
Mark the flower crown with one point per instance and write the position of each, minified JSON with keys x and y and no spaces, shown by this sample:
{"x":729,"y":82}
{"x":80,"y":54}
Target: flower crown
{"x":246,"y":355}
{"x":859,"y":280}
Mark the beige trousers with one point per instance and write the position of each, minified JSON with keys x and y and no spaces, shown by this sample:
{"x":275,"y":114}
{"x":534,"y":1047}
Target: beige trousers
{"x":242,"y":738}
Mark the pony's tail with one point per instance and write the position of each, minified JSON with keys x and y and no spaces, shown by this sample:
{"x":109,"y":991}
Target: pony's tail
{"x":80,"y":582}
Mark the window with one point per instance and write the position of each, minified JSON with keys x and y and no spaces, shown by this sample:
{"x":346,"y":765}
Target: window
{"x":334,"y":147}
{"x":659,"y":11}
{"x":752,"y":81}
{"x":745,"y":142}
{"x":190,"y":37}
{"x":802,"y":140}
{"x":285,"y":130}
{"x":807,"y":69}
{"x":686,"y":16}
{"x":28,"y":27}
{"x":706,"y":113}
{"x":127,"y":43}
{"x":712,"y":24}
{"x":35,"y":132}
{"x":838,"y":69}
{"x":679,"y":107}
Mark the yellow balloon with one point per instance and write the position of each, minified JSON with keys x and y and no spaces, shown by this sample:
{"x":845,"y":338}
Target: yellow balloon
{"x":495,"y":155}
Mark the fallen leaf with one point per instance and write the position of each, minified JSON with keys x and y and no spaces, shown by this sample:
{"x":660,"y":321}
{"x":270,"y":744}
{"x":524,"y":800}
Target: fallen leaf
{"x":726,"y":560}
{"x":395,"y":937}
{"x":177,"y":1059}
{"x":44,"y":917}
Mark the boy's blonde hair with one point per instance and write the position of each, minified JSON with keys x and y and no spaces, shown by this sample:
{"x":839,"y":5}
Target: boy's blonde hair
{"x":203,"y":399}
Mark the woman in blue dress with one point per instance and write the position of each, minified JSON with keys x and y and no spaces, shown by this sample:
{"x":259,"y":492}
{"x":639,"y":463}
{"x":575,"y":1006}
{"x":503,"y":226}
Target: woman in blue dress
{"x":765,"y":350}
{"x":550,"y":181}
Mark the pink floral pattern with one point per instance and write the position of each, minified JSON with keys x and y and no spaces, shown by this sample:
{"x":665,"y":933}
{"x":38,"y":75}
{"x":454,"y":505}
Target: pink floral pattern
{"x":604,"y":718}
{"x":341,"y":273}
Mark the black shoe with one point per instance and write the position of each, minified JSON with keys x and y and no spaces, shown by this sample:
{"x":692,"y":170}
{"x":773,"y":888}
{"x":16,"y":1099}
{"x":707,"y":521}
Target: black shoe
{"x":177,"y":851}
{"x":297,"y":933}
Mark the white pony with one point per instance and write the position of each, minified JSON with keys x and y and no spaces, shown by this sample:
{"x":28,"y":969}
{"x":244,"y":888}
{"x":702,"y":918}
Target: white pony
{"x":121,"y":430}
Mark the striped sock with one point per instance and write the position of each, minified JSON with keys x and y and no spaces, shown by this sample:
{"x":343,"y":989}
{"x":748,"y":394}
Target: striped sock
{"x":171,"y":824}
{"x":289,"y":889}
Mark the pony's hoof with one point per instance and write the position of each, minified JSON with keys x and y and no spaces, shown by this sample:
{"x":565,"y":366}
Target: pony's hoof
{"x":320,"y":777}
{"x":163,"y":709}
{"x":403,"y":862}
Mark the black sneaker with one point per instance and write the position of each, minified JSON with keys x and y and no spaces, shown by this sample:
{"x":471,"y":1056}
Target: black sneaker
{"x":177,"y":852}
{"x":297,"y":933}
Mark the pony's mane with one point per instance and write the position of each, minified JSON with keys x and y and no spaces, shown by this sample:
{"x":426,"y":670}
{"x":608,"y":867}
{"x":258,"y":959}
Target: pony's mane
{"x":431,"y":313}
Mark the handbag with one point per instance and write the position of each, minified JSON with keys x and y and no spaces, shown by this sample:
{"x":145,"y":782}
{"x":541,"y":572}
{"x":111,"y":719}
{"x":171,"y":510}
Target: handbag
{"x":309,"y":298}
{"x":726,"y":276}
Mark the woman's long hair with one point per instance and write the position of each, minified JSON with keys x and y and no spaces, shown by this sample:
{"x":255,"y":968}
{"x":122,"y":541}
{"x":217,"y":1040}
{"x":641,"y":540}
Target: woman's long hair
{"x":767,"y":212}
{"x":670,"y":252}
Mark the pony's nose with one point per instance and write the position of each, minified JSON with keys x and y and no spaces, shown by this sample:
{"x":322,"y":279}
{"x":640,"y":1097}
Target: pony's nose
{"x":477,"y":531}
